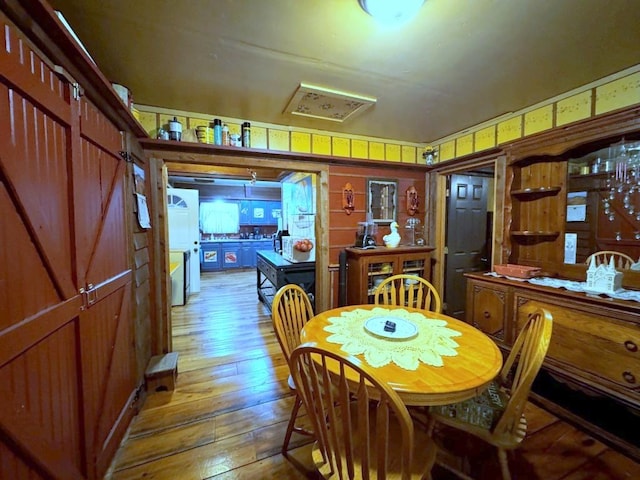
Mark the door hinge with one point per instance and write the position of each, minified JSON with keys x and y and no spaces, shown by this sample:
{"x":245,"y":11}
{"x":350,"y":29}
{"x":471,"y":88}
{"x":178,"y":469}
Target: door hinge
{"x":126,"y":156}
{"x":76,"y":90}
{"x":446,"y":250}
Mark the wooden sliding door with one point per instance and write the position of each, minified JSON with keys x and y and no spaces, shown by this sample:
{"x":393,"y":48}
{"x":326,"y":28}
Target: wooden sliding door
{"x":67,"y":371}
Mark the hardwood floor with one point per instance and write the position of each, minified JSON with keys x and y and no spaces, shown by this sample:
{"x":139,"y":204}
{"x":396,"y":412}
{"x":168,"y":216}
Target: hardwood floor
{"x":227,"y":416}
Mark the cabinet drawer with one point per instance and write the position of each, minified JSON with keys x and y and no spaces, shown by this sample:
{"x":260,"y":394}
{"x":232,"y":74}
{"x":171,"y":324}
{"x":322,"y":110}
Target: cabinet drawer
{"x":606,"y":347}
{"x":487,"y":309}
{"x":268,"y":271}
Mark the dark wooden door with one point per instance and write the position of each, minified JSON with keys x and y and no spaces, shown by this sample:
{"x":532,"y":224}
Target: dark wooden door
{"x":66,"y":350}
{"x":466,"y":237}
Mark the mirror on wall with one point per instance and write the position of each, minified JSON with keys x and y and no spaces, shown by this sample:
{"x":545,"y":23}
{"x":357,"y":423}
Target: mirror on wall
{"x":603,"y":201}
{"x":381,"y":200}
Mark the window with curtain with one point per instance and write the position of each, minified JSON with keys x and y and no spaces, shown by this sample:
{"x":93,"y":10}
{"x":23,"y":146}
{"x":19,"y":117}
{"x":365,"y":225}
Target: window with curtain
{"x":219,"y":217}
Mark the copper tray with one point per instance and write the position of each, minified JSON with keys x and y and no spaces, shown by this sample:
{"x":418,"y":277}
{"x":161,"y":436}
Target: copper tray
{"x":517,"y":271}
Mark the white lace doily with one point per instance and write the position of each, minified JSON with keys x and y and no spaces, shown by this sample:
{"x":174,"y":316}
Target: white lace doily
{"x":433,"y":341}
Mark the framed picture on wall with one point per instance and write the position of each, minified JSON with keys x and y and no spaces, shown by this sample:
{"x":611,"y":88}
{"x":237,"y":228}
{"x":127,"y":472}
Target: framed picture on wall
{"x":382,"y":200}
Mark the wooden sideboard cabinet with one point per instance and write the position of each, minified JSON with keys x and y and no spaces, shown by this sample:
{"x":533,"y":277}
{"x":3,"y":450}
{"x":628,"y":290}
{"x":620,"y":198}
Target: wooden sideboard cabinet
{"x":594,"y":350}
{"x":563,"y":181}
{"x":488,"y":309}
{"x":366,"y":268}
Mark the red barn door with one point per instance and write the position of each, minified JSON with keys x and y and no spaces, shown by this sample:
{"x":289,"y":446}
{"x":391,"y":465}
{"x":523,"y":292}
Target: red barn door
{"x":66,"y":344}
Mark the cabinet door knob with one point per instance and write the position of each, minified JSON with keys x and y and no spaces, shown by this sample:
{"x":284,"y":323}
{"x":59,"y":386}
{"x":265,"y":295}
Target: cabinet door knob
{"x":631,"y":346}
{"x":629,"y":377}
{"x":486,"y":314}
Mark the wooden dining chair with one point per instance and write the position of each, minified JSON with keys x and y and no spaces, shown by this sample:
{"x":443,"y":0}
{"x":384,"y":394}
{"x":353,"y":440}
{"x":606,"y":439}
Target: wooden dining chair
{"x":362,"y":427}
{"x":291,"y":309}
{"x":621,"y":260}
{"x":409,"y":291}
{"x":497,"y":415}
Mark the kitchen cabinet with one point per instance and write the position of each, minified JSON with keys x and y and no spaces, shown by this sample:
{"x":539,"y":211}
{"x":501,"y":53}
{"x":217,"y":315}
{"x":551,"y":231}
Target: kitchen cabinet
{"x":250,"y":249}
{"x":223,"y":255}
{"x":248,"y":254}
{"x":210,"y":256}
{"x":231,"y":255}
{"x":593,"y":358}
{"x":260,"y":212}
{"x":245,"y":212}
{"x":274,"y":212}
{"x":366,"y":268}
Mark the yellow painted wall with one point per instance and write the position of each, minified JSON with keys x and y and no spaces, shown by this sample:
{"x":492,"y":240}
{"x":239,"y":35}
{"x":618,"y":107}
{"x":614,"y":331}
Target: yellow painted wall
{"x":290,"y":139}
{"x":611,"y":93}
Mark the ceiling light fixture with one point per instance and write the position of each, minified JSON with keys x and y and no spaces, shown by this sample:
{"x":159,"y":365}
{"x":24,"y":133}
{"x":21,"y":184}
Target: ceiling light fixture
{"x":391,"y":11}
{"x":327,"y":103}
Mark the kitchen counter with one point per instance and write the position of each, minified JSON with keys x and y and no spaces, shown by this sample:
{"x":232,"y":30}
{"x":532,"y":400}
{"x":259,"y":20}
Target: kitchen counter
{"x":227,"y":240}
{"x":222,"y":254}
{"x":273,"y":271}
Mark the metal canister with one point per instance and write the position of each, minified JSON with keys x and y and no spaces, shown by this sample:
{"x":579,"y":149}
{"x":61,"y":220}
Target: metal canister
{"x":163,"y":134}
{"x":226,"y":139}
{"x":204,"y":134}
{"x":246,"y":134}
{"x":175,"y":130}
{"x":217,"y":131}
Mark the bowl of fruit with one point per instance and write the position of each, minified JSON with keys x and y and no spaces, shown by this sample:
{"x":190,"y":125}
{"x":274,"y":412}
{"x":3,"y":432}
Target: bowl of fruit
{"x":303,"y":245}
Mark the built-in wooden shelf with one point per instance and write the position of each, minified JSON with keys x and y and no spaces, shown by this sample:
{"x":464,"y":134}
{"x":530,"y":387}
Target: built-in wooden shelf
{"x":534,"y":233}
{"x":532,"y":193}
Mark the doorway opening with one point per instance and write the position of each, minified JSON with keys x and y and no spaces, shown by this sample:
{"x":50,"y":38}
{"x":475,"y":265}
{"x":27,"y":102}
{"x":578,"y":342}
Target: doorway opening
{"x":277,"y":167}
{"x":467,"y":219}
{"x":469,"y":233}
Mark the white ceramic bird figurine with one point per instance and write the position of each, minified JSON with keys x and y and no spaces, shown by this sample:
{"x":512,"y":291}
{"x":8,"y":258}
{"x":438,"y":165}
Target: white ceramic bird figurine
{"x":392,"y":239}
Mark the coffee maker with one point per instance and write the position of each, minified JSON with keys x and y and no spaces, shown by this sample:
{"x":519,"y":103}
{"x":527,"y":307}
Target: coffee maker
{"x":366,"y":235}
{"x":277,"y":240}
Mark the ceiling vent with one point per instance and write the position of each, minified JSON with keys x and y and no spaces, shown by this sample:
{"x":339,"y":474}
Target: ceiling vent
{"x":327,"y":104}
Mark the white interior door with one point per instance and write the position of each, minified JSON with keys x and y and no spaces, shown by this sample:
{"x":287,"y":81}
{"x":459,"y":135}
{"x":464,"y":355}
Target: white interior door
{"x":184,"y":231}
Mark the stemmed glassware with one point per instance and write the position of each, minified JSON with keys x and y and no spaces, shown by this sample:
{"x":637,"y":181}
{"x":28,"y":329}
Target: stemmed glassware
{"x":623,"y":182}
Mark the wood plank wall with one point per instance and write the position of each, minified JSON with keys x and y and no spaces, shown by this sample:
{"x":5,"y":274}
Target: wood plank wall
{"x":142,"y":254}
{"x":343,"y":227}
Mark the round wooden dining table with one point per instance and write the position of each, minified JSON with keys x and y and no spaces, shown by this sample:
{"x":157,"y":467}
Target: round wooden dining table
{"x":476,"y":363}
